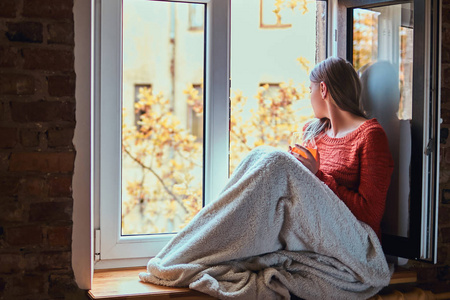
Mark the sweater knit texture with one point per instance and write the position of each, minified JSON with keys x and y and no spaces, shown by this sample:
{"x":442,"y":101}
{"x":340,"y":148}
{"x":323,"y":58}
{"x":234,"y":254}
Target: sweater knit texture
{"x":358,"y":168}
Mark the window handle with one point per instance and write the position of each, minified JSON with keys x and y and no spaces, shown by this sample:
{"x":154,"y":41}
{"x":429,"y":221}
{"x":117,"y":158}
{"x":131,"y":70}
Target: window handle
{"x":430,"y":147}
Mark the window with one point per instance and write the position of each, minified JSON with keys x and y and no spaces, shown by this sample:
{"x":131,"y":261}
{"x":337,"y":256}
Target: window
{"x":196,"y":17}
{"x":158,"y":173}
{"x":237,"y":85}
{"x":387,"y":44}
{"x":143,"y":203}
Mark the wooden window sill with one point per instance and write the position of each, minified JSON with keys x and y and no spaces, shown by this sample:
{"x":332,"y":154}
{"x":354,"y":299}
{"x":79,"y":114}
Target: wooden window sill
{"x":124,"y":284}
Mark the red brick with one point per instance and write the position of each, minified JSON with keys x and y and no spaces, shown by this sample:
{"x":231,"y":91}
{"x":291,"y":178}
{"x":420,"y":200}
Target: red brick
{"x":50,"y":212}
{"x":3,"y":286}
{"x":43,"y":111}
{"x":9,"y":263}
{"x":443,"y":252}
{"x":60,"y":186}
{"x":445,"y":18}
{"x":445,"y":55}
{"x":60,"y":86}
{"x":4,"y":161}
{"x":28,"y":285}
{"x":61,"y":33}
{"x":51,"y":9}
{"x":446,"y":77}
{"x":9,"y":186}
{"x":29,"y":137}
{"x":62,"y":285}
{"x":48,"y":261}
{"x":29,"y":235}
{"x":9,"y":57}
{"x":46,"y":162}
{"x":444,"y":213}
{"x":2,"y":112}
{"x":48,"y":59}
{"x":445,"y":115}
{"x":60,"y":236}
{"x":33,"y":187}
{"x":28,"y":32}
{"x":16,"y":84}
{"x":60,"y":137}
{"x":445,"y":94}
{"x":12,"y":211}
{"x":8,"y":8}
{"x":8,"y":137}
{"x":445,"y":233}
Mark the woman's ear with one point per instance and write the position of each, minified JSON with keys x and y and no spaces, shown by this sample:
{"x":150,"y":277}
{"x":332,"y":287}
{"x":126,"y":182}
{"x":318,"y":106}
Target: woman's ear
{"x":323,"y":89}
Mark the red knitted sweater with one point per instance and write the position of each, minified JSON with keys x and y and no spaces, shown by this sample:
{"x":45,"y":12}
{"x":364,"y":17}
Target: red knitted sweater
{"x":358,"y":168}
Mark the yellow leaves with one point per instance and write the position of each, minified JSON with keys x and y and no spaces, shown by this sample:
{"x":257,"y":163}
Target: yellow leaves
{"x":304,"y":63}
{"x":292,"y":4}
{"x":166,"y":159}
{"x":365,"y":32}
{"x":302,"y":6}
{"x":171,"y":209}
{"x":179,"y":189}
{"x":194,"y":100}
{"x":276,"y":115}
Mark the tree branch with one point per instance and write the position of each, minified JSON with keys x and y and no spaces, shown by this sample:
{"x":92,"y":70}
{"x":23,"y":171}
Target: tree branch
{"x":157,"y":177}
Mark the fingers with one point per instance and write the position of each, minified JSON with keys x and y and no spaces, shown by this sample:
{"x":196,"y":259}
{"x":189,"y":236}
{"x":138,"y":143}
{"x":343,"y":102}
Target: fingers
{"x":306,"y":158}
{"x":305,"y":150}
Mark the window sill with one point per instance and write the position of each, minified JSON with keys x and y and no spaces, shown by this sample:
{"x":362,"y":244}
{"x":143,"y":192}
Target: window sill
{"x":124,"y":284}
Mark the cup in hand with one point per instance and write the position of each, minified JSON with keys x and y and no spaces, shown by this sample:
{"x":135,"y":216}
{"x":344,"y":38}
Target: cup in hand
{"x":297,"y":138}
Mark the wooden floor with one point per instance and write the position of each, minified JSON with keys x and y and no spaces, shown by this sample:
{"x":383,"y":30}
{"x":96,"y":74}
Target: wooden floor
{"x":121,"y":284}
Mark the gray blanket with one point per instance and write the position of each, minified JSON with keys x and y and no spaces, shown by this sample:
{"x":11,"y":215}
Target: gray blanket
{"x":275,"y":230}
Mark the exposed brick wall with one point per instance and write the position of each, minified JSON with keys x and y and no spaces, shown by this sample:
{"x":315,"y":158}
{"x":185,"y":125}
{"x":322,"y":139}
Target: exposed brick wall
{"x":37,"y":121}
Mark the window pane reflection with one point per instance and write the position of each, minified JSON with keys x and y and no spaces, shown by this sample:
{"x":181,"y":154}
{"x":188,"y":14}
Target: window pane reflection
{"x":383,"y":55}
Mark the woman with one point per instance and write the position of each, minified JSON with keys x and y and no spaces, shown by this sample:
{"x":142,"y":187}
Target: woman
{"x":286,"y":225}
{"x":356,"y":163}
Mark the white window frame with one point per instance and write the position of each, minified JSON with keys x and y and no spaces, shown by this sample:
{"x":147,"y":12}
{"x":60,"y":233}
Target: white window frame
{"x":111,"y":248}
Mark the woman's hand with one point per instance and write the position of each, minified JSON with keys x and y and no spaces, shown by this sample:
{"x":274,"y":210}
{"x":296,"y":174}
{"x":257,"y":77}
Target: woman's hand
{"x":309,"y":161}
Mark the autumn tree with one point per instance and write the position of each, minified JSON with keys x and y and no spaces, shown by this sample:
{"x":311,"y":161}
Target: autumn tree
{"x":164,"y":190}
{"x":168,"y":162}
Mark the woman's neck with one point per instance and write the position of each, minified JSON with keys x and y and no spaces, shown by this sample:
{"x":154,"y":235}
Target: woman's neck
{"x":343,"y":122}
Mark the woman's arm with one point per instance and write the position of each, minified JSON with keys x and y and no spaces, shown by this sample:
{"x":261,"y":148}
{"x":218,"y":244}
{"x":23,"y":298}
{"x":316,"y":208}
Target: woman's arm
{"x":368,"y":201}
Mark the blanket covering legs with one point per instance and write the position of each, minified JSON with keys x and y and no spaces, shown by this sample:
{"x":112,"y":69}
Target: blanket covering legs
{"x":275,"y":230}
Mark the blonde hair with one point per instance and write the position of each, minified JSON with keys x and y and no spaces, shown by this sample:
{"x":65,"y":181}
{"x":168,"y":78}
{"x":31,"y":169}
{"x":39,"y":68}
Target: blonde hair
{"x":344,"y":86}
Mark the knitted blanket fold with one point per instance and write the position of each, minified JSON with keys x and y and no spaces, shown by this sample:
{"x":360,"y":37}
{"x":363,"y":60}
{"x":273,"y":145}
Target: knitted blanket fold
{"x":275,"y":230}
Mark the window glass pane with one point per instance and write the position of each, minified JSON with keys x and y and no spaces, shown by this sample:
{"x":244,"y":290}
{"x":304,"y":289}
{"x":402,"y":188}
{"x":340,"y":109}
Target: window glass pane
{"x":383,"y":54}
{"x":270,"y":72}
{"x":162,"y":99}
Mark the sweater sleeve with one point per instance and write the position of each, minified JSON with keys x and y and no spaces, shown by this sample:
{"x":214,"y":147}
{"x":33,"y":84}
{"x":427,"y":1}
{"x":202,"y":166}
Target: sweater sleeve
{"x":376,"y":165}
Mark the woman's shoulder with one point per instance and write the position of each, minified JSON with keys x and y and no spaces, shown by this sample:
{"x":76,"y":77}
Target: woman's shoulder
{"x":372,"y":127}
{"x":373,"y":134}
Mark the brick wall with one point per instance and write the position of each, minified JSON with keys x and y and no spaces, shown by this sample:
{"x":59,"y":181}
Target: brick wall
{"x":37,"y":121}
